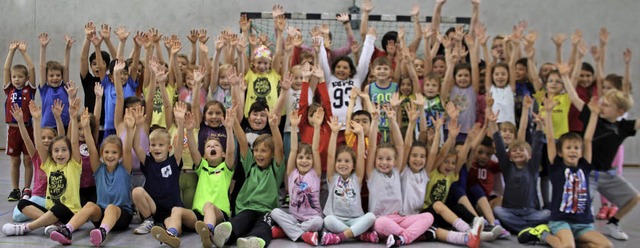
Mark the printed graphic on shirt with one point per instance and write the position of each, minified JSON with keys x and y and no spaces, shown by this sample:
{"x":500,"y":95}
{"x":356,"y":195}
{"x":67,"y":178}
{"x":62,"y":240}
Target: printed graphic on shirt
{"x":305,"y":195}
{"x":438,"y":192}
{"x":345,"y":191}
{"x":341,"y":91}
{"x":461,"y":101}
{"x":575,"y":192}
{"x":157,"y":102}
{"x":261,"y":88}
{"x":84,"y":150}
{"x":57,"y":186}
{"x":166,"y":171}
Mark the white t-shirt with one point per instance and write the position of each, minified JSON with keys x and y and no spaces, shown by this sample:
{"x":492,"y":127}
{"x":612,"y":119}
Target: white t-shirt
{"x":293,"y":100}
{"x":505,"y":103}
{"x":414,"y":188}
{"x":385,"y":193}
{"x":344,"y":200}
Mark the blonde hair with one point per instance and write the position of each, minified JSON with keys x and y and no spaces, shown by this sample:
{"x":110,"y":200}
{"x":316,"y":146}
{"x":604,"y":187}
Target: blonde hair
{"x":619,"y":99}
{"x":111,"y":139}
{"x":160,"y":134}
{"x":509,"y":126}
{"x":520,"y":144}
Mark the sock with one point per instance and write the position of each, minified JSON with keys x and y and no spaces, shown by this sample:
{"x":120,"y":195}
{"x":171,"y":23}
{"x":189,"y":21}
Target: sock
{"x":613,"y":220}
{"x":26,"y":228}
{"x":543,"y":237}
{"x":341,"y":236}
{"x":70,"y":227}
{"x":460,"y":225}
{"x":458,"y":238}
{"x":173,"y":231}
{"x":105,"y":227}
{"x":211,"y":227}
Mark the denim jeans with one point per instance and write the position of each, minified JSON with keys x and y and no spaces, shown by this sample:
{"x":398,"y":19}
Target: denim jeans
{"x":515,"y":220}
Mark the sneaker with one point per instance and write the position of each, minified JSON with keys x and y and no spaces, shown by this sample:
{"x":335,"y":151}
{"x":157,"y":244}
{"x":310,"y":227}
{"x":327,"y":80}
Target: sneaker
{"x":612,"y":212}
{"x":310,"y":238}
{"x":62,"y":235}
{"x":330,"y":239}
{"x":48,"y":230}
{"x":277,"y":232}
{"x":206,"y":235}
{"x":163,"y":236}
{"x":491,"y":233}
{"x":615,"y":232}
{"x":429,"y":235}
{"x":26,"y":193}
{"x":371,"y":237}
{"x":221,"y":233}
{"x":394,"y":241}
{"x":602,"y":213}
{"x":11,"y":229}
{"x":145,"y":227}
{"x":98,"y":236}
{"x":14,"y":195}
{"x":532,"y":235}
{"x":250,"y":242}
{"x":473,"y":238}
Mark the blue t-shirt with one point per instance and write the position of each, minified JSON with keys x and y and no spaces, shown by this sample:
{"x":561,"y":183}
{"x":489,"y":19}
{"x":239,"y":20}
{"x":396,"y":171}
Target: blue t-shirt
{"x":570,"y":199}
{"x":48,"y":94}
{"x":129,"y":89}
{"x":162,"y":181}
{"x":113,"y":187}
{"x":382,"y":96}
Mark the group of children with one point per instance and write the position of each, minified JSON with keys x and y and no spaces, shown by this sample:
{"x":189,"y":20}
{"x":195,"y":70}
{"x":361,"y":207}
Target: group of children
{"x":447,"y":147}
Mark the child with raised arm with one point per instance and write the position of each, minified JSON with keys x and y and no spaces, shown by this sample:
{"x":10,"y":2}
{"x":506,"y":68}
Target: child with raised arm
{"x":571,"y":219}
{"x":127,"y":82}
{"x":19,"y":90}
{"x":63,"y":169}
{"x":211,"y":202}
{"x":344,"y":215}
{"x":500,"y":81}
{"x":381,"y":91}
{"x":264,"y":172}
{"x":610,"y":133}
{"x":112,"y":210}
{"x":304,"y":219}
{"x":383,"y":172}
{"x":161,"y":169}
{"x":53,"y":76}
{"x":39,"y":177}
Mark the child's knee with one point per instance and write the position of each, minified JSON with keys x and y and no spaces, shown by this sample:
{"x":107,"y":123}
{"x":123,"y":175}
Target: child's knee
{"x":138,"y":193}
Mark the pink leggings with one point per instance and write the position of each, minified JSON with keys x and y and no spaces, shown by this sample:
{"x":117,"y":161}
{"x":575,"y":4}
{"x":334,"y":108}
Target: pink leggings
{"x":409,"y":227}
{"x":618,"y":161}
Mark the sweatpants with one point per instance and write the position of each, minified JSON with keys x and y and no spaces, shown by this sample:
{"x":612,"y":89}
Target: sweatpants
{"x":358,"y":225}
{"x":250,"y":223}
{"x":409,"y":227}
{"x":293,"y":227}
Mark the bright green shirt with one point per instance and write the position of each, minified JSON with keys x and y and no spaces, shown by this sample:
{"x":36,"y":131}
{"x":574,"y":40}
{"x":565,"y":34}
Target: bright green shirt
{"x":260,"y":189}
{"x":213,"y":186}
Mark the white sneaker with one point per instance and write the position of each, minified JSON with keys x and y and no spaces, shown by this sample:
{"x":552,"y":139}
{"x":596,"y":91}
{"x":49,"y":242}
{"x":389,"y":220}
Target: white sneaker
{"x":49,"y":229}
{"x":477,"y":226}
{"x":144,"y":228}
{"x":11,"y":229}
{"x":615,"y":232}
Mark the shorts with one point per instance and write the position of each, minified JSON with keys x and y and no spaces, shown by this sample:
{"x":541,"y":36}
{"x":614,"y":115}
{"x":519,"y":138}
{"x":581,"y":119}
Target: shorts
{"x":161,"y":214}
{"x":121,"y":224}
{"x":15,"y":144}
{"x":474,"y":193}
{"x":615,"y":188}
{"x":200,"y":216}
{"x":577,"y":229}
{"x":60,"y":211}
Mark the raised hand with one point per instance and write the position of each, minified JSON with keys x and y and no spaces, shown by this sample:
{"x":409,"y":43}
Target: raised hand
{"x":16,"y":112}
{"x":245,"y":23}
{"x":334,"y":124}
{"x":419,"y":101}
{"x":316,"y":119}
{"x":278,"y":10}
{"x":35,"y":110}
{"x":355,"y":47}
{"x":342,"y":17}
{"x":527,"y":101}
{"x":138,"y":114}
{"x":595,"y":52}
{"x":57,"y":108}
{"x":413,"y":111}
{"x":367,"y":6}
{"x":437,"y":121}
{"x":452,"y":111}
{"x":141,"y":38}
{"x":74,"y":107}
{"x":531,"y":38}
{"x":71,"y":88}
{"x":98,"y":90}
{"x":105,"y":31}
{"x":274,"y":119}
{"x":318,"y":73}
{"x":189,"y":121}
{"x":415,"y":10}
{"x":594,"y":106}
{"x":604,"y":35}
{"x":155,"y":35}
{"x":395,"y":100}
{"x":89,"y":29}
{"x":85,"y":119}
{"x":356,"y":128}
{"x":286,"y":81}
{"x":122,"y":33}
{"x":95,"y":40}
{"x":129,"y":119}
{"x":627,"y":56}
{"x":294,"y":118}
{"x":558,"y":39}
{"x":489,"y":100}
{"x":576,"y":37}
{"x":69,"y":41}
{"x":229,"y":118}
{"x":13,"y":45}
{"x":202,"y":36}
{"x":119,"y":66}
{"x":548,"y":104}
{"x":44,"y":39}
{"x":193,"y":35}
{"x":198,"y":74}
{"x":176,"y":46}
{"x":179,"y":110}
{"x":564,"y":69}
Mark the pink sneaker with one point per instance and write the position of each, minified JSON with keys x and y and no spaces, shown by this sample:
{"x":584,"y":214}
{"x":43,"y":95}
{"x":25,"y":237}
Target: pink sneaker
{"x":310,"y":238}
{"x":330,"y":239}
{"x":371,"y":237}
{"x":277,"y":233}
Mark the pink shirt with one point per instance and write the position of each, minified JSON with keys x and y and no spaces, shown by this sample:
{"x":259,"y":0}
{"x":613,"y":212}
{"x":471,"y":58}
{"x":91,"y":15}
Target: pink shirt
{"x":39,"y":177}
{"x":304,"y":191}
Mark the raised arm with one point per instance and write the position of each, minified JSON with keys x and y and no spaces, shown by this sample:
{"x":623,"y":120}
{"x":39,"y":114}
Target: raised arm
{"x":558,"y":39}
{"x":129,"y":123}
{"x":44,"y":40}
{"x":141,"y":118}
{"x":549,"y":103}
{"x":437,"y":11}
{"x":331,"y":150}
{"x":316,"y":121}
{"x":413,"y":111}
{"x":569,"y":87}
{"x":67,"y":57}
{"x":16,"y":112}
{"x":123,"y":34}
{"x":138,"y":40}
{"x":532,"y":69}
{"x":117,"y":83}
{"x":433,"y":150}
{"x":360,"y":163}
{"x":193,"y":39}
{"x":591,"y":129}
{"x":626,"y":83}
{"x":36,"y":113}
{"x":524,"y":118}
{"x":73,"y":128}
{"x":396,"y":135}
{"x":13,"y":46}
{"x":473,"y":59}
{"x":417,"y":29}
{"x":367,"y":7}
{"x":373,"y":145}
{"x":230,"y":152}
{"x":179,"y":111}
{"x":57,"y":109}
{"x":89,"y":31}
{"x":294,"y":120}
{"x":94,"y":155}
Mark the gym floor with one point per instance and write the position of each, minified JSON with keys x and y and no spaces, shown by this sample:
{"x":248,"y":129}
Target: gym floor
{"x":128,"y":239}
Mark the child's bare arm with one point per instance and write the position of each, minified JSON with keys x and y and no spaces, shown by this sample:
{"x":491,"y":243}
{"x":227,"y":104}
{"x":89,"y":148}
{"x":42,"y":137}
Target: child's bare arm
{"x":73,"y":128}
{"x":549,"y":103}
{"x":67,"y":57}
{"x":138,"y":40}
{"x":97,"y":107}
{"x":56,"y":109}
{"x":524,"y":118}
{"x":413,"y":111}
{"x":13,"y":46}
{"x":373,"y":145}
{"x":436,"y":15}
{"x":166,"y":103}
{"x":105,"y":33}
{"x":569,"y":87}
{"x":193,"y":39}
{"x":626,"y":84}
{"x":318,"y":117}
{"x":367,"y":7}
{"x":532,"y":68}
{"x":102,"y":66}
{"x":229,"y":123}
{"x":417,"y":36}
{"x":179,"y":111}
{"x":331,"y":150}
{"x":123,"y":34}
{"x":129,"y":122}
{"x":44,"y":40}
{"x":117,"y":82}
{"x":278,"y":153}
{"x":294,"y":120}
{"x":448,"y":81}
{"x":433,"y":151}
{"x":36,"y":114}
{"x":22,"y":47}
{"x":189,"y":124}
{"x":591,"y":129}
{"x":558,"y":39}
{"x":16,"y":112}
{"x":360,"y":162}
{"x":94,"y":155}
{"x":89,"y":31}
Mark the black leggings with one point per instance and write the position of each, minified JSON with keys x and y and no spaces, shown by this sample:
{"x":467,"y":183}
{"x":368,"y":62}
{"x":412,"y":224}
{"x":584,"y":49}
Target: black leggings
{"x":458,"y":209}
{"x":251,"y":223}
{"x":62,"y":212}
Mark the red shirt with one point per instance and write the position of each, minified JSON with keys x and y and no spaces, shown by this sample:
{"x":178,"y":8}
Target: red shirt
{"x":305,"y":129}
{"x":20,"y":96}
{"x":483,"y":176}
{"x":575,"y":125}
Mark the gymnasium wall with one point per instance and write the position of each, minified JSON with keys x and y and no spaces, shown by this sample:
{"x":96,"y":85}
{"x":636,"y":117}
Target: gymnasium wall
{"x":25,"y":19}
